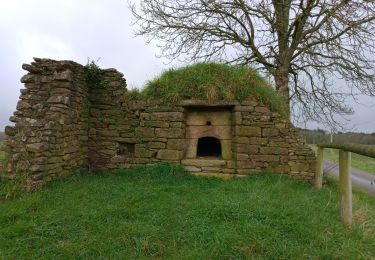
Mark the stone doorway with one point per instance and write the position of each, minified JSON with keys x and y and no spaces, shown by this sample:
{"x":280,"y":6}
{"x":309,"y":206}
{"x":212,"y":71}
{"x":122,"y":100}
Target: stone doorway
{"x":209,"y":147}
{"x":209,"y":133}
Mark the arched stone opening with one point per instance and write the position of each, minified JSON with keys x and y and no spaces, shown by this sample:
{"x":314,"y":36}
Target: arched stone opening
{"x":208,"y":147}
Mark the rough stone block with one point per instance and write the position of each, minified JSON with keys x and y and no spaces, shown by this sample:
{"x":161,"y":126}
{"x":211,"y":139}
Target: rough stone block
{"x":268,"y":150}
{"x":66,"y":75}
{"x":107,"y":133}
{"x":170,"y":155}
{"x":142,"y":152}
{"x":270,"y":132}
{"x":159,"y":124}
{"x":23,"y":104}
{"x":299,"y":167}
{"x":168,"y":133}
{"x":265,"y":158}
{"x":245,"y":164}
{"x":249,"y":131}
{"x":167,"y":116}
{"x":29,"y":78}
{"x":59,"y":99}
{"x":31,"y":68}
{"x":203,"y":162}
{"x":242,"y":156}
{"x":244,"y":108}
{"x":258,"y":140}
{"x":176,"y":124}
{"x":176,"y":144}
{"x":246,"y":148}
{"x":10,"y":131}
{"x":144,"y":132}
{"x":262,"y":109}
{"x":216,"y":118}
{"x":37,"y":147}
{"x":192,"y":169}
{"x":211,"y":169}
{"x":156,"y":145}
{"x":237,"y":118}
{"x":282,"y":169}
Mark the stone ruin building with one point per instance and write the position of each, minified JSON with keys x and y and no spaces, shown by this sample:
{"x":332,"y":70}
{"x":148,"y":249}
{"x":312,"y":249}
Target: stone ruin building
{"x":63,"y":126}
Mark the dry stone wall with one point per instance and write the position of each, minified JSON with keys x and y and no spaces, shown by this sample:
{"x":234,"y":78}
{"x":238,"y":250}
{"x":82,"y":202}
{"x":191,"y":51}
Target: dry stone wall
{"x":49,"y":136}
{"x":64,"y":123}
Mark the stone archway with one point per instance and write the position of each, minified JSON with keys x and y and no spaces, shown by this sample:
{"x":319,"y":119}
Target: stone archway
{"x":209,"y":147}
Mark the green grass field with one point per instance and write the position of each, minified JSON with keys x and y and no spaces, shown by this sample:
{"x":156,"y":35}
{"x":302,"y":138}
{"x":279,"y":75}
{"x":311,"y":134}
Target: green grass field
{"x":163,"y":212}
{"x":363,"y":163}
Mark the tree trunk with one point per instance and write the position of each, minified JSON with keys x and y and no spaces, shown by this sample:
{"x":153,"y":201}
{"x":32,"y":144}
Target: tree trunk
{"x":282,"y":85}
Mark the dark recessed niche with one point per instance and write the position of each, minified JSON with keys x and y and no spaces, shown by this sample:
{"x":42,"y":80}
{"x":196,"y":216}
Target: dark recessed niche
{"x":208,"y":123}
{"x":125,"y":148}
{"x":208,"y":147}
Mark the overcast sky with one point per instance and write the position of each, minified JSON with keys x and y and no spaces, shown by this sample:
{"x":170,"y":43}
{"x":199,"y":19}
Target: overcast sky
{"x":81,"y":29}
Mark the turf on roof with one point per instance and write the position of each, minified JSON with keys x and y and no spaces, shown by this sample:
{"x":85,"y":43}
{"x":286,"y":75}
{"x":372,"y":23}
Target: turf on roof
{"x":213,"y":82}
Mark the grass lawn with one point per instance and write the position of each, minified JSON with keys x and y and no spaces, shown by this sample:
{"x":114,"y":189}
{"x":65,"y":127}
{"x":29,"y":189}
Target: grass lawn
{"x":162,"y":212}
{"x":361,"y":162}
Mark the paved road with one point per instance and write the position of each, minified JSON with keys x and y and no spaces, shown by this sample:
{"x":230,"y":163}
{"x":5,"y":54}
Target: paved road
{"x":360,"y":179}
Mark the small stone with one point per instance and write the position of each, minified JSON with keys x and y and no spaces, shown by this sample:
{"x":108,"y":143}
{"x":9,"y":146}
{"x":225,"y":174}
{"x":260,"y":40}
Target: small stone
{"x":31,"y":68}
{"x":28,"y":78}
{"x":250,"y":131}
{"x":166,"y":132}
{"x":203,"y":162}
{"x":59,"y":100}
{"x":22,"y":104}
{"x":156,"y":145}
{"x":262,"y":109}
{"x":176,"y":144}
{"x":66,"y":75}
{"x":144,"y":132}
{"x":10,"y":131}
{"x":37,"y":147}
{"x":269,"y":132}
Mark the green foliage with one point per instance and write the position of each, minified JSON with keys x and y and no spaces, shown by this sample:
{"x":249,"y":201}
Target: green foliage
{"x":213,"y":82}
{"x":12,"y":188}
{"x":320,"y":136}
{"x":163,"y":212}
{"x":94,"y":75}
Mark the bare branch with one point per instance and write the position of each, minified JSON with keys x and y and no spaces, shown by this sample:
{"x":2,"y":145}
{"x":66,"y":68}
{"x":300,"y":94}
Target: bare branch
{"x":304,"y":44}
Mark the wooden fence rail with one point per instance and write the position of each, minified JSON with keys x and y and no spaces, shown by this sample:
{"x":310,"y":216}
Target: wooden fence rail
{"x":345,"y":180}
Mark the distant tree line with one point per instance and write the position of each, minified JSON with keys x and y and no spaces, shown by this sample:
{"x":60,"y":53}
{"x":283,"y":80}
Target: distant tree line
{"x":322,"y":136}
{"x":2,"y":136}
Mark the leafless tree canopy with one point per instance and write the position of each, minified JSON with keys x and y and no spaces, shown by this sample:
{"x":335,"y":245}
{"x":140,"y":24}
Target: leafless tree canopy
{"x":305,"y":45}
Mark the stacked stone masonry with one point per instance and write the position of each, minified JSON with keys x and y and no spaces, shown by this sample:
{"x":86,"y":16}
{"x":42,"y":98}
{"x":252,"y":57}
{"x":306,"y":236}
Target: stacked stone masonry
{"x":63,"y":125}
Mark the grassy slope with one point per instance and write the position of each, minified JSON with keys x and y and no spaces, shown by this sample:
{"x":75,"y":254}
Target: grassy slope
{"x":363,"y":163}
{"x":162,"y":212}
{"x":212,"y":81}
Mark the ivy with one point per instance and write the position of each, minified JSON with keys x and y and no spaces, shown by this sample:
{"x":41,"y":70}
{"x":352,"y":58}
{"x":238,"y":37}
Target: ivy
{"x":94,"y":75}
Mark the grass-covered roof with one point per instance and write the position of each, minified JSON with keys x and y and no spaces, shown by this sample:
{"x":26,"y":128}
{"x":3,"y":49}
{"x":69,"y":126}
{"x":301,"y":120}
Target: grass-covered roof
{"x":212,"y":81}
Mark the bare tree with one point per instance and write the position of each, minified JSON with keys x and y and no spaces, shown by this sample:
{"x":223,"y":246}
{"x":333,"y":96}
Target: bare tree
{"x":305,"y":45}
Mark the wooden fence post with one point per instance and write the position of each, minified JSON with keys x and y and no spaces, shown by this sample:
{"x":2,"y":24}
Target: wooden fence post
{"x":345,"y":186}
{"x":318,"y":182}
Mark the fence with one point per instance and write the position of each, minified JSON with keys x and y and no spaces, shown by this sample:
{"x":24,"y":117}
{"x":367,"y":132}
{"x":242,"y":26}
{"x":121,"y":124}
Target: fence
{"x":344,"y":172}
